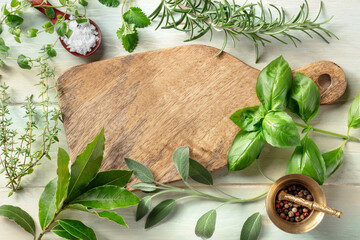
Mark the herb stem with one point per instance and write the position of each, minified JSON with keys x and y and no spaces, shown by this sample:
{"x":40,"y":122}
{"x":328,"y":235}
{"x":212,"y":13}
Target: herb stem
{"x":346,"y":137}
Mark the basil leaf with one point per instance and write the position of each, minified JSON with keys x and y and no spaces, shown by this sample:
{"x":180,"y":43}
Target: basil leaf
{"x":333,"y":160}
{"x":146,"y":187}
{"x":304,"y":97}
{"x":110,"y":3}
{"x":354,"y":113}
{"x":251,"y":228}
{"x":247,"y":119}
{"x":181,"y":161}
{"x":280,"y":130}
{"x":205,"y":226}
{"x":273,"y":84}
{"x":143,"y":207}
{"x":244,"y":150}
{"x":47,"y":204}
{"x":86,"y":166}
{"x":112,"y":177}
{"x":61,"y":28}
{"x":161,"y":211}
{"x":140,"y":171}
{"x":136,"y":16}
{"x":307,"y":160}
{"x":19,"y":216}
{"x":50,"y":12}
{"x":199,"y":173}
{"x":63,"y":176}
{"x":61,"y":232}
{"x":23,"y":62}
{"x":14,"y":20}
{"x":107,"y":197}
{"x":77,"y":229}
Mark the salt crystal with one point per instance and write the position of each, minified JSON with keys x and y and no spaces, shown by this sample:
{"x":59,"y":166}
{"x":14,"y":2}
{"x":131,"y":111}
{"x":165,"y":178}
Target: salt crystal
{"x":83,"y":38}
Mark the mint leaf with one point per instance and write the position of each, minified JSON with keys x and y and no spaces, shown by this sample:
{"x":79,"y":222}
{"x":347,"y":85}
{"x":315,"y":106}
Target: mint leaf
{"x":128,"y":36}
{"x":110,"y":3}
{"x":136,"y":16}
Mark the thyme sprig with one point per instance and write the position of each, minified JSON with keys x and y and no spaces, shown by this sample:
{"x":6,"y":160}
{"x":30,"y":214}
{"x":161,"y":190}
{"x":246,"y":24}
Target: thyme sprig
{"x":251,"y":20}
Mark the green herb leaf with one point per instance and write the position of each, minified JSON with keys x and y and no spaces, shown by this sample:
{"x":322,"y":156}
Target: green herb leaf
{"x":112,"y":177}
{"x":83,"y":3}
{"x":23,"y":62}
{"x":181,"y":161}
{"x":140,"y":171}
{"x":129,"y":41}
{"x":273,"y":84}
{"x":205,"y":226}
{"x":77,"y":229}
{"x":199,"y":173}
{"x":244,"y":150}
{"x":32,"y":32}
{"x":143,"y":207}
{"x":161,"y":211}
{"x":3,"y":47}
{"x":14,"y":20}
{"x":280,"y":130}
{"x":308,"y":160}
{"x":110,"y":3}
{"x":304,"y":97}
{"x":47,"y":204}
{"x":14,"y":3}
{"x":50,"y":12}
{"x":146,"y":187}
{"x":354,"y":113}
{"x":251,"y":228}
{"x":333,"y":160}
{"x":61,"y":28}
{"x":248,"y":119}
{"x":107,"y":197}
{"x":63,"y":176}
{"x":19,"y":216}
{"x":1,"y":28}
{"x":61,"y":232}
{"x":86,"y":166}
{"x":50,"y":51}
{"x":136,"y":16}
{"x":48,"y":27}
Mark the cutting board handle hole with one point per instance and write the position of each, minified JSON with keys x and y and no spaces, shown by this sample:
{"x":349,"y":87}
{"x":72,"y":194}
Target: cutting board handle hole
{"x":324,"y":81}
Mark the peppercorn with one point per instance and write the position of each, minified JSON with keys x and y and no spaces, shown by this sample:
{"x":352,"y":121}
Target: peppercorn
{"x":309,"y":197}
{"x":301,"y":194}
{"x":298,"y":219}
{"x":282,"y":215}
{"x":286,"y":206}
{"x":305,"y":210}
{"x":294,"y":210}
{"x":291,"y":214}
{"x":302,"y":217}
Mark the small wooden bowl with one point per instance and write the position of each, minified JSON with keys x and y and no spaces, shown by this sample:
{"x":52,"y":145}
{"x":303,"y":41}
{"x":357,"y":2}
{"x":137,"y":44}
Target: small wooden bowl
{"x":312,"y":220}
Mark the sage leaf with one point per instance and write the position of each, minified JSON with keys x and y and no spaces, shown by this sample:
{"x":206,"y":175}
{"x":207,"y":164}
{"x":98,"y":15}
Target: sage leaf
{"x":146,"y":187}
{"x":333,"y":160}
{"x":280,"y":130}
{"x":273,"y":84}
{"x":244,"y":150}
{"x":161,"y":211}
{"x":19,"y":216}
{"x":143,"y":207}
{"x":61,"y":232}
{"x":181,"y":161}
{"x":112,"y":216}
{"x":77,"y":229}
{"x":304,"y":97}
{"x":140,"y":171}
{"x":63,"y":176}
{"x":136,"y":16}
{"x":354,"y":113}
{"x":199,"y":173}
{"x":86,"y":166}
{"x":205,"y":226}
{"x":107,"y":197}
{"x":14,"y":20}
{"x":47,"y":204}
{"x":251,"y":228}
{"x":112,"y":177}
{"x":307,"y":160}
{"x":50,"y":12}
{"x":247,"y":118}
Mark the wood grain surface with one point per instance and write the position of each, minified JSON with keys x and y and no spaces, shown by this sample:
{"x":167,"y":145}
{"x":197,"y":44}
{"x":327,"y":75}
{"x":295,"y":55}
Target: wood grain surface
{"x":153,"y":102}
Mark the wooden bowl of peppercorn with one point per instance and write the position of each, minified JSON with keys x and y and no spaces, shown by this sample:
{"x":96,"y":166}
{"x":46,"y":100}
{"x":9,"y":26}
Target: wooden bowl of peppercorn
{"x":295,"y":219}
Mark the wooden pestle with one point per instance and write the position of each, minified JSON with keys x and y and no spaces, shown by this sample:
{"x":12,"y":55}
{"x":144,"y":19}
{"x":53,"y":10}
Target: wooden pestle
{"x":309,"y":204}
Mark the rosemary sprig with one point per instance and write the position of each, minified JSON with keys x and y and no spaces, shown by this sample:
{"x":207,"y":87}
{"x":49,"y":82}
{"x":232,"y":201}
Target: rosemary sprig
{"x":253,"y":21}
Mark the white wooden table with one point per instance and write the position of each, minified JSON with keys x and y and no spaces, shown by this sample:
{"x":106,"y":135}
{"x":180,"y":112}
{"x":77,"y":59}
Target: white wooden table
{"x":342,"y":189}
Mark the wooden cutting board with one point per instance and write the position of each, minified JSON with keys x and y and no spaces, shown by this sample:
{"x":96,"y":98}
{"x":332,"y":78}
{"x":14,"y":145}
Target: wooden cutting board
{"x":151,"y":103}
